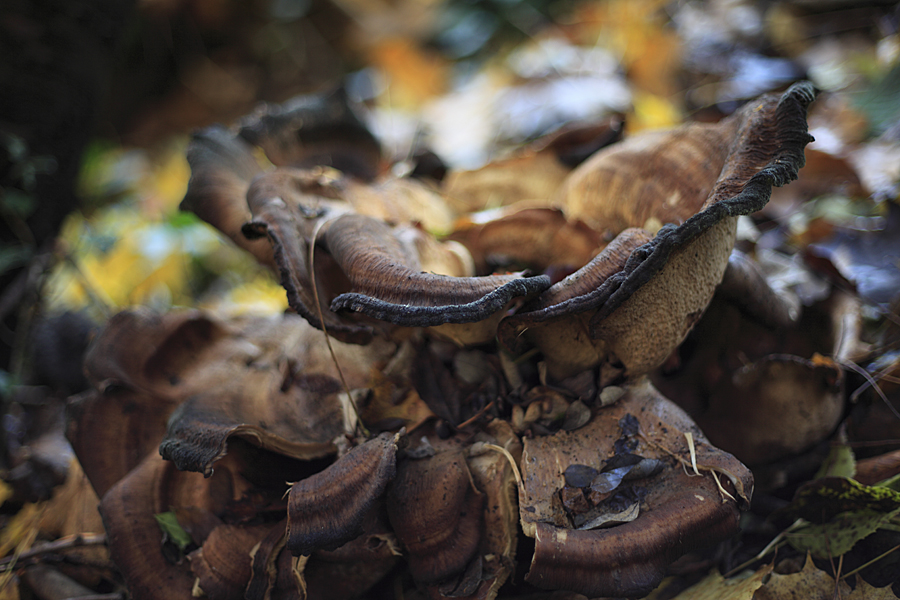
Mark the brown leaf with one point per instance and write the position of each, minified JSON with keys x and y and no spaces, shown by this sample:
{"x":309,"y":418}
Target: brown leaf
{"x":533,"y":173}
{"x":542,"y":238}
{"x":810,"y":583}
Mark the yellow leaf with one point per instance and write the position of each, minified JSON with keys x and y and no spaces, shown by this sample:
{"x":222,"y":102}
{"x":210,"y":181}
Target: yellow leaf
{"x":716,"y":587}
{"x":809,"y":584}
{"x":261,"y":295}
{"x":6,"y":492}
{"x":652,"y":112}
{"x":22,"y":529}
{"x":73,"y":508}
{"x":636,"y":31}
{"x":170,"y":277}
{"x":9,"y":589}
{"x":864,"y":591}
{"x":165,"y":185}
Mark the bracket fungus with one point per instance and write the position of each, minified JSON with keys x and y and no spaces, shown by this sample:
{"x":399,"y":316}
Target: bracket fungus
{"x":680,"y":508}
{"x":361,"y":264}
{"x":436,"y":513}
{"x":614,"y":482}
{"x":326,"y":510}
{"x":768,"y":381}
{"x":639,"y":298}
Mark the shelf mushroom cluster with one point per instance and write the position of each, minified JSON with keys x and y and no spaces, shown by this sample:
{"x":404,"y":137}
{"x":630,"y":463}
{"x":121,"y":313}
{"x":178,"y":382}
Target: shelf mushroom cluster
{"x":455,"y":476}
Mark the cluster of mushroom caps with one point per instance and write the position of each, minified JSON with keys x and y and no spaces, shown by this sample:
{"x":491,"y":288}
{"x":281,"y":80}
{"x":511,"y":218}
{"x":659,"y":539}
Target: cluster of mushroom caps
{"x":452,"y":410}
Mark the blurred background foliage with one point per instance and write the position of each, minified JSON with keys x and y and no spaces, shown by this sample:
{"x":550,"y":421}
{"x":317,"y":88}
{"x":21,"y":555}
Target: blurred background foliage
{"x":465,"y":78}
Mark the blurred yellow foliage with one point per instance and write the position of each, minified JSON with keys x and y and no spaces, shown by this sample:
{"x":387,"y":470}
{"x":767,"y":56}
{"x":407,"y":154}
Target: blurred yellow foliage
{"x":636,"y":31}
{"x":19,"y":534}
{"x":141,"y":262}
{"x":650,"y":111}
{"x":21,"y":530}
{"x":141,"y":250}
{"x":6,"y":492}
{"x":261,"y":295}
{"x":164,"y":186}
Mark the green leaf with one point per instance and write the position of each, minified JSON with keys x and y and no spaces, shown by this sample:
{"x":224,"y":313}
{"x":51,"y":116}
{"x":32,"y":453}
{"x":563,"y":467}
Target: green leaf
{"x":892,"y":483}
{"x":169,"y":525}
{"x":840,"y":462}
{"x":182,"y":220}
{"x":821,"y":500}
{"x":839,"y":535}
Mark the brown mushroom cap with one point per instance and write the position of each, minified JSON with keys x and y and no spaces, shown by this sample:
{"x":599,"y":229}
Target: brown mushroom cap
{"x":222,"y":168}
{"x":679,"y":512}
{"x":645,"y":309}
{"x":141,"y":365}
{"x":352,"y":569}
{"x":133,"y":535}
{"x":289,"y":205}
{"x":436,"y":514}
{"x":139,"y":349}
{"x":778,"y":406}
{"x":156,"y":486}
{"x":222,"y":564}
{"x":317,"y":129}
{"x":326,"y":510}
{"x":387,"y":288}
{"x":277,"y":387}
{"x":745,"y":285}
{"x":362,"y":266}
{"x":761,"y":399}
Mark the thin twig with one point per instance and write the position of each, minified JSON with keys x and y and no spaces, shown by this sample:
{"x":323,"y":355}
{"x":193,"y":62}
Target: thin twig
{"x":872,"y":443}
{"x":476,"y":416}
{"x":864,"y":565}
{"x":315,"y":291}
{"x":512,"y":463}
{"x":64,"y":543}
{"x":776,"y":543}
{"x":690,"y":441}
{"x":837,"y":578}
{"x":856,"y":368}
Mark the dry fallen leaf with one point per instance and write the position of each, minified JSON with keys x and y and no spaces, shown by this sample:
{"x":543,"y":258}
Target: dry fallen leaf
{"x":716,"y":587}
